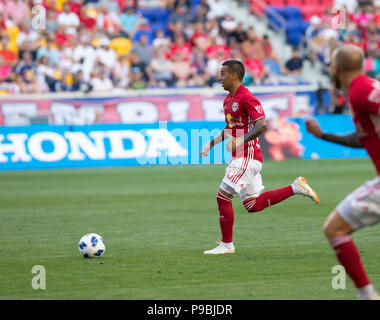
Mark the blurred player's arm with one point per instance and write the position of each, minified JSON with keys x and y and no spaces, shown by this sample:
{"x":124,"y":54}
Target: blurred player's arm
{"x":218,"y":139}
{"x":349,"y":140}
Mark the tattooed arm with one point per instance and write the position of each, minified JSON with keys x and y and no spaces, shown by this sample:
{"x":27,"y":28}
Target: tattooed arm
{"x":259,"y":128}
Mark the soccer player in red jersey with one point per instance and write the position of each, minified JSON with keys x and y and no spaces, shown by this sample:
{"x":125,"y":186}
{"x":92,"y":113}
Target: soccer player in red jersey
{"x":360,"y":208}
{"x":245,"y":120}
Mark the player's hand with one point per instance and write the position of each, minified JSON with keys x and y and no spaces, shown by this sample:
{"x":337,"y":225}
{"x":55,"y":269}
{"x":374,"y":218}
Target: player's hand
{"x":233,"y":143}
{"x":313,"y":127}
{"x":205,"y":150}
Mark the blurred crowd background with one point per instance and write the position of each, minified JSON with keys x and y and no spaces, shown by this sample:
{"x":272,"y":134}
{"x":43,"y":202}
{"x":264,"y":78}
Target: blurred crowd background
{"x":113,"y":46}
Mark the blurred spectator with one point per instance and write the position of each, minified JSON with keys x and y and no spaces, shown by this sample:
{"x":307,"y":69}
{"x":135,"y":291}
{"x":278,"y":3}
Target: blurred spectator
{"x":48,"y":51}
{"x":107,"y":20}
{"x":143,"y":49}
{"x":26,"y":67}
{"x":254,"y":68}
{"x":8,"y":51}
{"x":18,"y":10}
{"x":369,"y":63}
{"x":179,"y":45}
{"x":238,"y":35}
{"x":295,"y":64}
{"x":86,"y":55}
{"x":160,"y":40}
{"x":267,"y":48}
{"x":228,"y":25}
{"x":68,"y":18}
{"x":162,"y":69}
{"x":199,"y":67}
{"x":101,"y":81}
{"x":121,"y":71}
{"x":5,"y":72}
{"x":213,"y":68}
{"x":200,"y":38}
{"x":45,"y":74}
{"x":180,"y":13}
{"x":218,"y":9}
{"x":86,"y":18}
{"x":143,"y":28}
{"x":201,"y":12}
{"x":129,"y":20}
{"x":141,"y":74}
{"x":105,"y":55}
{"x":181,"y":69}
{"x":51,"y":21}
{"x":120,"y":44}
{"x":27,"y":39}
{"x":80,"y":84}
{"x":185,"y":3}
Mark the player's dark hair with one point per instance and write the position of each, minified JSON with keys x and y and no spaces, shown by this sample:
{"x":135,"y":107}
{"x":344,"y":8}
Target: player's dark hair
{"x":235,"y":66}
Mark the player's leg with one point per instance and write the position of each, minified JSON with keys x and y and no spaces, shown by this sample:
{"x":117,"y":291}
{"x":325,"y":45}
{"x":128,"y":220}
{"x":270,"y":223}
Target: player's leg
{"x":226,"y":220}
{"x":357,"y":210}
{"x":255,"y":203}
{"x":228,"y":188}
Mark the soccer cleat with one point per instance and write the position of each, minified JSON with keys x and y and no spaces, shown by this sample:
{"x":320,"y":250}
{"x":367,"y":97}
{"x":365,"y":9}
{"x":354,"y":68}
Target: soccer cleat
{"x":375,"y":296}
{"x":305,"y":189}
{"x":220,"y":249}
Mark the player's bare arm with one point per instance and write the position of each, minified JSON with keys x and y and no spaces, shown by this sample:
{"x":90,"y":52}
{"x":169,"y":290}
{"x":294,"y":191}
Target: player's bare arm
{"x":259,"y":128}
{"x":218,"y":139}
{"x":349,"y":140}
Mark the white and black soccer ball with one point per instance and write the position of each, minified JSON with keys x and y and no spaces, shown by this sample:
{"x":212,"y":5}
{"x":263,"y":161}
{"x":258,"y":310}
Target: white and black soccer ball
{"x":91,"y":245}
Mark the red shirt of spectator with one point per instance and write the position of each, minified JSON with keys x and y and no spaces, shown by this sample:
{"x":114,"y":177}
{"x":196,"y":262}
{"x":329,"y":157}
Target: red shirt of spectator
{"x":181,"y":46}
{"x":254,"y":66}
{"x":213,"y":50}
{"x":86,"y":20}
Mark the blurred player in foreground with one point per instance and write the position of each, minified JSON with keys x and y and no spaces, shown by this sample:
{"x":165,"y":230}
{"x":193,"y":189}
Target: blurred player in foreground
{"x":361,"y":208}
{"x":245,"y":120}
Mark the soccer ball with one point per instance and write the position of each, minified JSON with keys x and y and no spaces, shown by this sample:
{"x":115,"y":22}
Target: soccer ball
{"x":91,"y":245}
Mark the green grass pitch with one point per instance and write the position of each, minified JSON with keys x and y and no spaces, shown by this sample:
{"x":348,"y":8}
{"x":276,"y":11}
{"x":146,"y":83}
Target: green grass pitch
{"x":157,"y":221}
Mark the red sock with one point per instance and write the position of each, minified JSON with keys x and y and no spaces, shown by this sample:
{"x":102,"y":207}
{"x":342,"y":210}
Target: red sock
{"x":349,"y":256}
{"x":226,"y":216}
{"x":268,"y":198}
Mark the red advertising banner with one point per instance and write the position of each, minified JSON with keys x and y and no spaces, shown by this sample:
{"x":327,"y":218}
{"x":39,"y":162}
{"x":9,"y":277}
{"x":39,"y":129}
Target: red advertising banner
{"x":149,"y":109}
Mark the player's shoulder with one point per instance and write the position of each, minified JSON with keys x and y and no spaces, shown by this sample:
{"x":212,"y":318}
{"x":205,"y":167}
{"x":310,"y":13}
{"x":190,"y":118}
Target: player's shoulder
{"x":247,"y":96}
{"x":360,"y":89}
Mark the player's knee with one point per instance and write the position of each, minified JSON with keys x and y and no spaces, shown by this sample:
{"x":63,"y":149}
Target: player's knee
{"x":334,"y":226}
{"x":250,"y":205}
{"x":221,"y":194}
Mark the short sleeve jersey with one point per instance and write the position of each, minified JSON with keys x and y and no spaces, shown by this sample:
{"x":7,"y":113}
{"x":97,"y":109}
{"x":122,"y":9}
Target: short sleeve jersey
{"x":364,"y":97}
{"x":241,"y":111}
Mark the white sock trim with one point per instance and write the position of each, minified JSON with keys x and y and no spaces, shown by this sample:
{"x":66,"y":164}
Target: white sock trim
{"x":296,"y":190}
{"x":228,"y":245}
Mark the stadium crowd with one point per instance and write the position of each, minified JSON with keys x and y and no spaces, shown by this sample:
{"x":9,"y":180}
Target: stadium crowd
{"x":360,"y":26}
{"x":107,"y":46}
{"x":110,"y":46}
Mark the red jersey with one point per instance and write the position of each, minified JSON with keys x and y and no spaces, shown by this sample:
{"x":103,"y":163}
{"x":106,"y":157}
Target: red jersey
{"x":364,"y":96}
{"x":241,"y":111}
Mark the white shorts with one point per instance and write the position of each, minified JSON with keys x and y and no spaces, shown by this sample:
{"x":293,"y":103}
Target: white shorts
{"x":243,"y":177}
{"x":361,"y":207}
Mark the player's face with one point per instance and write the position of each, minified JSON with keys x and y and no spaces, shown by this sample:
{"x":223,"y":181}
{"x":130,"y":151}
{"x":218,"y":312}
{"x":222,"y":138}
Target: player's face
{"x":226,"y":78}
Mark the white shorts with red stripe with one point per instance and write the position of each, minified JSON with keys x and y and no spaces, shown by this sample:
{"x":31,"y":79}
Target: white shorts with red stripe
{"x":361,"y":207}
{"x":243,"y":177}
